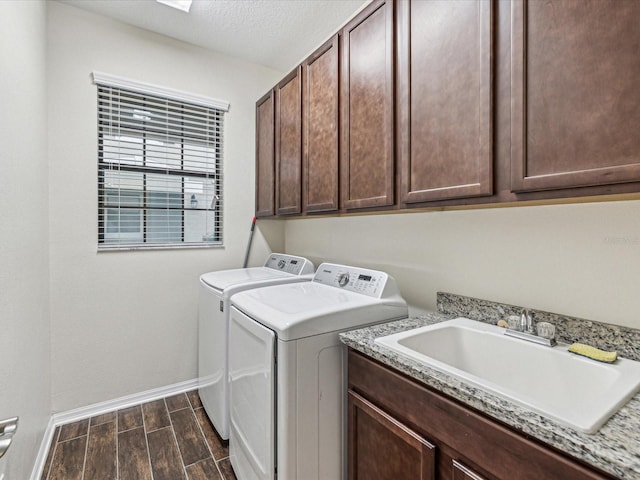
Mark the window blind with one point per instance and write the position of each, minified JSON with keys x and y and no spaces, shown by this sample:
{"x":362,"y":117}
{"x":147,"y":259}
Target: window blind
{"x":159,"y":171}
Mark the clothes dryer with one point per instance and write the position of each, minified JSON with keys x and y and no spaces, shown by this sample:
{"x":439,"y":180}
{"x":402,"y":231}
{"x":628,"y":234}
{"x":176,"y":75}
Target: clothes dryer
{"x":216,"y":289}
{"x":287,"y":370}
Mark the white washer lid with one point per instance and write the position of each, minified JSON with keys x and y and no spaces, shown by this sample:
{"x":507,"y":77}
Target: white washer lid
{"x":276,"y":268}
{"x":223,"y":279}
{"x":304,"y":309}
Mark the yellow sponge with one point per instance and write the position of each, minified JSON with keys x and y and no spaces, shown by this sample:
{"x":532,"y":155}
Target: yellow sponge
{"x":592,"y":352}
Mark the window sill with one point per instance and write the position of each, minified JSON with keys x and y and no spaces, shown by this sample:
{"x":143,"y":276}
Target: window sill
{"x":127,"y":248}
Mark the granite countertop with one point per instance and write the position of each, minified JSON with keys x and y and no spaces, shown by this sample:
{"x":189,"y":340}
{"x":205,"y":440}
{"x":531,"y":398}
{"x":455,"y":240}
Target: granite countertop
{"x":615,"y":448}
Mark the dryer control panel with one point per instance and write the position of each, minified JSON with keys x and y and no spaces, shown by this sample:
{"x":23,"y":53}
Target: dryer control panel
{"x":289,"y":264}
{"x":354,"y":279}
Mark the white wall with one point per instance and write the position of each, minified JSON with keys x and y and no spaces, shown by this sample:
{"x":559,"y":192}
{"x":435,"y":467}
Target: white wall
{"x":125,"y":322}
{"x":25,"y":375}
{"x":580,"y":260}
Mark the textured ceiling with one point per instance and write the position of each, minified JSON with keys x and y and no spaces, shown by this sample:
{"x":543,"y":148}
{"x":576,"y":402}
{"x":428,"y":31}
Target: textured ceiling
{"x":274,"y":33}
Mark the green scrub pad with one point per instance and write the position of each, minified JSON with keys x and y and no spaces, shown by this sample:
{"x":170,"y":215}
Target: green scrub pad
{"x":594,"y":353}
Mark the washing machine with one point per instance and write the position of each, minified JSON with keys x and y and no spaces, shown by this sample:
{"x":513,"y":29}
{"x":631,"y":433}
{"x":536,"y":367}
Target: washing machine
{"x":287,"y":370}
{"x":213,"y":324}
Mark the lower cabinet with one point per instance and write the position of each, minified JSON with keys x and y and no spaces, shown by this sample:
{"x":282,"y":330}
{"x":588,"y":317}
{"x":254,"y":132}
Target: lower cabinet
{"x":383,"y":448}
{"x":401,"y":430}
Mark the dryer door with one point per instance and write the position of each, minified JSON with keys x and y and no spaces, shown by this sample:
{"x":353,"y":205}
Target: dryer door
{"x":252,"y":397}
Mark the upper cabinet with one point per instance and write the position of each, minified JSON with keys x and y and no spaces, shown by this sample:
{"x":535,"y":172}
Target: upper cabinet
{"x":444,"y":102}
{"x":575,"y":101}
{"x":288,"y":135}
{"x":265,"y":159}
{"x":437,"y":103}
{"x":367,"y":170}
{"x":320,"y":132}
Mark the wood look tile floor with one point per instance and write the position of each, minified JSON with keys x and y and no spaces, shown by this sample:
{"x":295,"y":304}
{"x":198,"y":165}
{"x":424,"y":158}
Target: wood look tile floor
{"x":167,"y":439}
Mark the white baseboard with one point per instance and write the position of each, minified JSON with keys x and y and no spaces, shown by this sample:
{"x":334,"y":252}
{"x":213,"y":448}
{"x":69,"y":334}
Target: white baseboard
{"x":100,"y":408}
{"x":123,"y":402}
{"x":41,"y":458}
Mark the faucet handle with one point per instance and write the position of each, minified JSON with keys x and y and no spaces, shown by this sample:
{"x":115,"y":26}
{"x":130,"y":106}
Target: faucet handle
{"x":546,"y":330}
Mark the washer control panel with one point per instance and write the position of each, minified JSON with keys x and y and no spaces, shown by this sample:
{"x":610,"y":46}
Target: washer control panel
{"x":354,"y":279}
{"x":289,"y":264}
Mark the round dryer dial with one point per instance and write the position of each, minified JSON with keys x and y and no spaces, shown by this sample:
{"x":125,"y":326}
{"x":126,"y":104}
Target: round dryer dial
{"x":343,"y":279}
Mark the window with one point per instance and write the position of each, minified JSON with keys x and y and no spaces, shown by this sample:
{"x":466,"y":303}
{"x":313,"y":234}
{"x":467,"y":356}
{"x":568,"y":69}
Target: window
{"x":159,"y":166}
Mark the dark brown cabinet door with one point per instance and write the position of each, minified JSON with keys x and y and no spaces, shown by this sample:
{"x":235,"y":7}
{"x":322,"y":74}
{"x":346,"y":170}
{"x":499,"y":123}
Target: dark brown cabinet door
{"x":367,"y":169}
{"x":575,"y":101}
{"x":380,"y":447}
{"x":444,"y":99}
{"x":265,"y":163}
{"x":320,"y":129}
{"x":289,"y":143}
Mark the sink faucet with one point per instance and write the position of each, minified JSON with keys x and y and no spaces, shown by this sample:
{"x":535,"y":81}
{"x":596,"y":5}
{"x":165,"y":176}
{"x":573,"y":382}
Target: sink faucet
{"x":527,"y":330}
{"x":526,"y":322}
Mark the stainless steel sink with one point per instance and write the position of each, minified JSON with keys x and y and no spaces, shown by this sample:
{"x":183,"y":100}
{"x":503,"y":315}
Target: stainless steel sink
{"x":572,"y":390}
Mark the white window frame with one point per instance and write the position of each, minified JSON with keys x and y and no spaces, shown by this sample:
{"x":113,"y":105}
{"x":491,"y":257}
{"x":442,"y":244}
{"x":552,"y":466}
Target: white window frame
{"x":172,"y":174}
